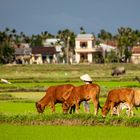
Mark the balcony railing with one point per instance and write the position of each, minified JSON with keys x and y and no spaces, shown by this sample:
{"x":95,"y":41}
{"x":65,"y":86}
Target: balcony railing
{"x":94,"y":49}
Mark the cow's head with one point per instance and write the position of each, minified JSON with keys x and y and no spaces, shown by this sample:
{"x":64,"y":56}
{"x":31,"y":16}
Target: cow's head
{"x":65,"y":107}
{"x":105,"y":110}
{"x":39,"y":107}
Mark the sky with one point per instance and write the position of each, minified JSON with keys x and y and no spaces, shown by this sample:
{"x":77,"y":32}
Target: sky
{"x":36,"y":16}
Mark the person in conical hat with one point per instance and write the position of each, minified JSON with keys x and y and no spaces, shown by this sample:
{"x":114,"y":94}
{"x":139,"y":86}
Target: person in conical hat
{"x":87,"y":79}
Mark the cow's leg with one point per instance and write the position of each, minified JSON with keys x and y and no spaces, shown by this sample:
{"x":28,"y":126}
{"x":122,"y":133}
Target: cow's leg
{"x":112,"y":104}
{"x":77,"y":107}
{"x":130,"y":111}
{"x":96,"y":106}
{"x":72,"y":109}
{"x":126,"y":106}
{"x":53,"y":106}
{"x":118,"y":110}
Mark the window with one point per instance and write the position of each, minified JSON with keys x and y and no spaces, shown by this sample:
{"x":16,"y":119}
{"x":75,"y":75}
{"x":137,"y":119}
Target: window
{"x":83,"y":44}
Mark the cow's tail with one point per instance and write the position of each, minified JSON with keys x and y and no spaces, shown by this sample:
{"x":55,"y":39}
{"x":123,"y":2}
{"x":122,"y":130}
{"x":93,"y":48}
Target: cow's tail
{"x":98,"y":97}
{"x":99,"y":105}
{"x":136,"y":108}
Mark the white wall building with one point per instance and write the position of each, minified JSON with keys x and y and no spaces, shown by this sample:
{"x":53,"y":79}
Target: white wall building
{"x":85,"y":48}
{"x":107,"y":48}
{"x":135,"y":58}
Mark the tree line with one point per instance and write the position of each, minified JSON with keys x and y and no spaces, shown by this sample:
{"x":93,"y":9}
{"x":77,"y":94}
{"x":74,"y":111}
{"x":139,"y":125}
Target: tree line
{"x":124,"y":39}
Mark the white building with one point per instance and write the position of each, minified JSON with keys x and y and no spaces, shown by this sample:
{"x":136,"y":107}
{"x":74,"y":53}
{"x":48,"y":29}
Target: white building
{"x":85,"y":48}
{"x":135,"y":58}
{"x":107,"y":48}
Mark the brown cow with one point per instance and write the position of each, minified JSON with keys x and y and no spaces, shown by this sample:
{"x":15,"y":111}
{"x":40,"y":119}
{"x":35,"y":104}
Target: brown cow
{"x":136,"y":103}
{"x":83,"y":93}
{"x":117,"y":96}
{"x":137,"y":98}
{"x":53,"y":95}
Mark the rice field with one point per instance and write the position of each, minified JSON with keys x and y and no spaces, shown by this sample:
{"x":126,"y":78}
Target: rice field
{"x":20,"y":120}
{"x":14,"y":132}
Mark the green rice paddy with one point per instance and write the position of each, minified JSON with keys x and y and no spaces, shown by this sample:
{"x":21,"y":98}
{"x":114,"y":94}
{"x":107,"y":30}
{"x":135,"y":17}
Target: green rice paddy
{"x":20,"y":120}
{"x":14,"y":132}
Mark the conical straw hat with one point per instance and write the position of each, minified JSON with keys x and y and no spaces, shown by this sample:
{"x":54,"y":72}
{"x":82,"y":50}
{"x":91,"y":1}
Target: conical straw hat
{"x":86,"y":77}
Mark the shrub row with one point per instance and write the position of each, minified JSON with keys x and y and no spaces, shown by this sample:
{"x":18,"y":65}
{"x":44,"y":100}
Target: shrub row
{"x":73,"y":120}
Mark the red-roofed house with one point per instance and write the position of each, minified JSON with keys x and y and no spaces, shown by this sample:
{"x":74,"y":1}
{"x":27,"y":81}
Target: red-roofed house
{"x":43,"y":54}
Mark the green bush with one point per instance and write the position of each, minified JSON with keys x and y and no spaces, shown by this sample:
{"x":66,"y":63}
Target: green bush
{"x":75,"y":119}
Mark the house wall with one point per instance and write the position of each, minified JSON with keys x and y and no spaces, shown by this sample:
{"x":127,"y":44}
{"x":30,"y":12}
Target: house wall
{"x":77,"y":57}
{"x":135,"y":58}
{"x":90,"y":57}
{"x":38,"y":59}
{"x":89,"y":44}
{"x":77,"y":45}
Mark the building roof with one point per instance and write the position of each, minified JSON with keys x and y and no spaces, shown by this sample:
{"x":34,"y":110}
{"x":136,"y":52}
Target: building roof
{"x":22,"y":51}
{"x":84,"y":36}
{"x":106,"y":47}
{"x":43,"y":50}
{"x":52,"y":40}
{"x":136,"y":49}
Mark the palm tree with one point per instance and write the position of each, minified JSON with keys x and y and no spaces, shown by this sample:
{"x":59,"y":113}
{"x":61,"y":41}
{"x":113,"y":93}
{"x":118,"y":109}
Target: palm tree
{"x":6,"y":53}
{"x":36,"y":40}
{"x":126,"y":38}
{"x":136,"y":37}
{"x":14,"y":31}
{"x":7,"y":30}
{"x":104,"y":35}
{"x":68,"y":37}
{"x":2,"y":37}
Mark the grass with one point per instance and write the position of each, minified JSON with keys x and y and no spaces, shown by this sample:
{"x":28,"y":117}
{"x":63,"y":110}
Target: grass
{"x":61,"y":72}
{"x":34,"y":96}
{"x":24,"y":112}
{"x":67,"y":132}
{"x":41,"y":87}
{"x":68,"y":120}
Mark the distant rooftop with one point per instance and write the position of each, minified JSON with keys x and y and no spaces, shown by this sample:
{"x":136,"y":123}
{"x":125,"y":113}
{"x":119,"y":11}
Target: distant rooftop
{"x":106,"y":47}
{"x":52,"y":41}
{"x":22,"y":51}
{"x":43,"y":50}
{"x":136,"y":49}
{"x":84,"y":36}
